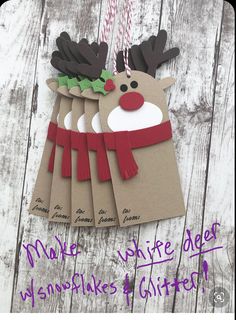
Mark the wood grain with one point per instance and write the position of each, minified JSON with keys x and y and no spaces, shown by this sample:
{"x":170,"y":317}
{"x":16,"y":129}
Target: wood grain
{"x":201,"y":111}
{"x":219,"y":201}
{"x":19,"y":48}
{"x":196,"y":107}
{"x":83,"y":22}
{"x":190,"y":106}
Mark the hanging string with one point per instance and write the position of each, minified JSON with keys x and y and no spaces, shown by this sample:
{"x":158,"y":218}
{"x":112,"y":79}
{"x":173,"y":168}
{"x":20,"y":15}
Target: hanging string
{"x":121,"y":31}
{"x":109,"y":18}
{"x":124,"y":31}
{"x":128,"y":38}
{"x":125,"y":19}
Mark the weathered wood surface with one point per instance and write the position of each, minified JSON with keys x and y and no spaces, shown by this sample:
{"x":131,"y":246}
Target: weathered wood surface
{"x":202,"y":115}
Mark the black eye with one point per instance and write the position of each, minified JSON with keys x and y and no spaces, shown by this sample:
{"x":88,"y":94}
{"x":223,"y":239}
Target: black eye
{"x":123,"y":87}
{"x":134,"y":84}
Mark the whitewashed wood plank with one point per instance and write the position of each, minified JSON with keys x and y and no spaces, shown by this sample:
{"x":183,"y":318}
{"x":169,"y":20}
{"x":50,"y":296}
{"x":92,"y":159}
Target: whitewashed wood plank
{"x":205,"y":21}
{"x":220,"y":183}
{"x":189,"y":26}
{"x":20,"y":21}
{"x":80,"y":19}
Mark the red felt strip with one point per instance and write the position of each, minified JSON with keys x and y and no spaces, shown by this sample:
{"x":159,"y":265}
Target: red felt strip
{"x":79,"y":143}
{"x":52,"y":134}
{"x":124,"y":141}
{"x":64,"y":140}
{"x":96,"y":143}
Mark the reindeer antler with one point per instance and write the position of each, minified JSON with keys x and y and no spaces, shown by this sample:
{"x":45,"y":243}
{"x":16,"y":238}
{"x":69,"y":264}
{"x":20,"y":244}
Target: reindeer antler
{"x":120,"y":66}
{"x":136,"y":59}
{"x":95,"y":62}
{"x":71,"y":49}
{"x":79,"y":58}
{"x":153,"y":52}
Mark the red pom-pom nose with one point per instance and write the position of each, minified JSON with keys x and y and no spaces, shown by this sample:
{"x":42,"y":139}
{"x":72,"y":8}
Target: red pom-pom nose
{"x":131,"y":101}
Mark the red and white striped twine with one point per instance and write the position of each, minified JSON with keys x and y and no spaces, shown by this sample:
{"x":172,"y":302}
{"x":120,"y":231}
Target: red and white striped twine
{"x":110,"y":16}
{"x":123,"y":33}
{"x":128,"y":37}
{"x":119,"y":38}
{"x":125,"y":19}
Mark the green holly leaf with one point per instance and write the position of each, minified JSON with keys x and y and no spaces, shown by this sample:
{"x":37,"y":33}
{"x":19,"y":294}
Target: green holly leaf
{"x":98,"y":86}
{"x":105,"y":75}
{"x":74,"y":82}
{"x":85,"y":84}
{"x":62,"y":81}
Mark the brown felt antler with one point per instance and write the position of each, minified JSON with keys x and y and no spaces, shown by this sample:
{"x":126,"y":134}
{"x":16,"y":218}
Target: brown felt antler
{"x":59,"y":56}
{"x":120,"y":66}
{"x":136,"y":59}
{"x":95,"y":62}
{"x":75,"y":59}
{"x":153,"y":52}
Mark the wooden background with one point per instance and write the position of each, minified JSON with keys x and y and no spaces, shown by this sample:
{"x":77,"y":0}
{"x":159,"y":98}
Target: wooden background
{"x":201,"y":107}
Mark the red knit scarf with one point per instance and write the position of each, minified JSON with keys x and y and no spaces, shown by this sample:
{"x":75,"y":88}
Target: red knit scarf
{"x":69,"y":139}
{"x":122,"y":142}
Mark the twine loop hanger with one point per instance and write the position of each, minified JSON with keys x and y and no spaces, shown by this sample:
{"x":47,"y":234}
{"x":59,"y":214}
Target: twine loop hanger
{"x":109,"y":18}
{"x":124,"y":33}
{"x":123,"y":38}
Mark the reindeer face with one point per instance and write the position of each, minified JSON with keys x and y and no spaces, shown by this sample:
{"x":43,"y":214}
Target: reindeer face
{"x":137,"y":102}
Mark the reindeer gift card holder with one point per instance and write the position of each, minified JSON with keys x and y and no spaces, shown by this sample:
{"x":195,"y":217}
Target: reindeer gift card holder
{"x":129,"y":114}
{"x":40,"y":201}
{"x":103,"y":198}
{"x":71,"y":198}
{"x":60,"y":204}
{"x":104,"y":207}
{"x":105,"y":211}
{"x":140,"y":150}
{"x":137,"y":133}
{"x":81,"y":191}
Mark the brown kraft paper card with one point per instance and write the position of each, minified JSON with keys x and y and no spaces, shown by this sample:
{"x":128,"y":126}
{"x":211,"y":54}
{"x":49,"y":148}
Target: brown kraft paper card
{"x":60,"y":202}
{"x":81,"y":191}
{"x":105,"y":212}
{"x":40,"y":201}
{"x":154,"y":193}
